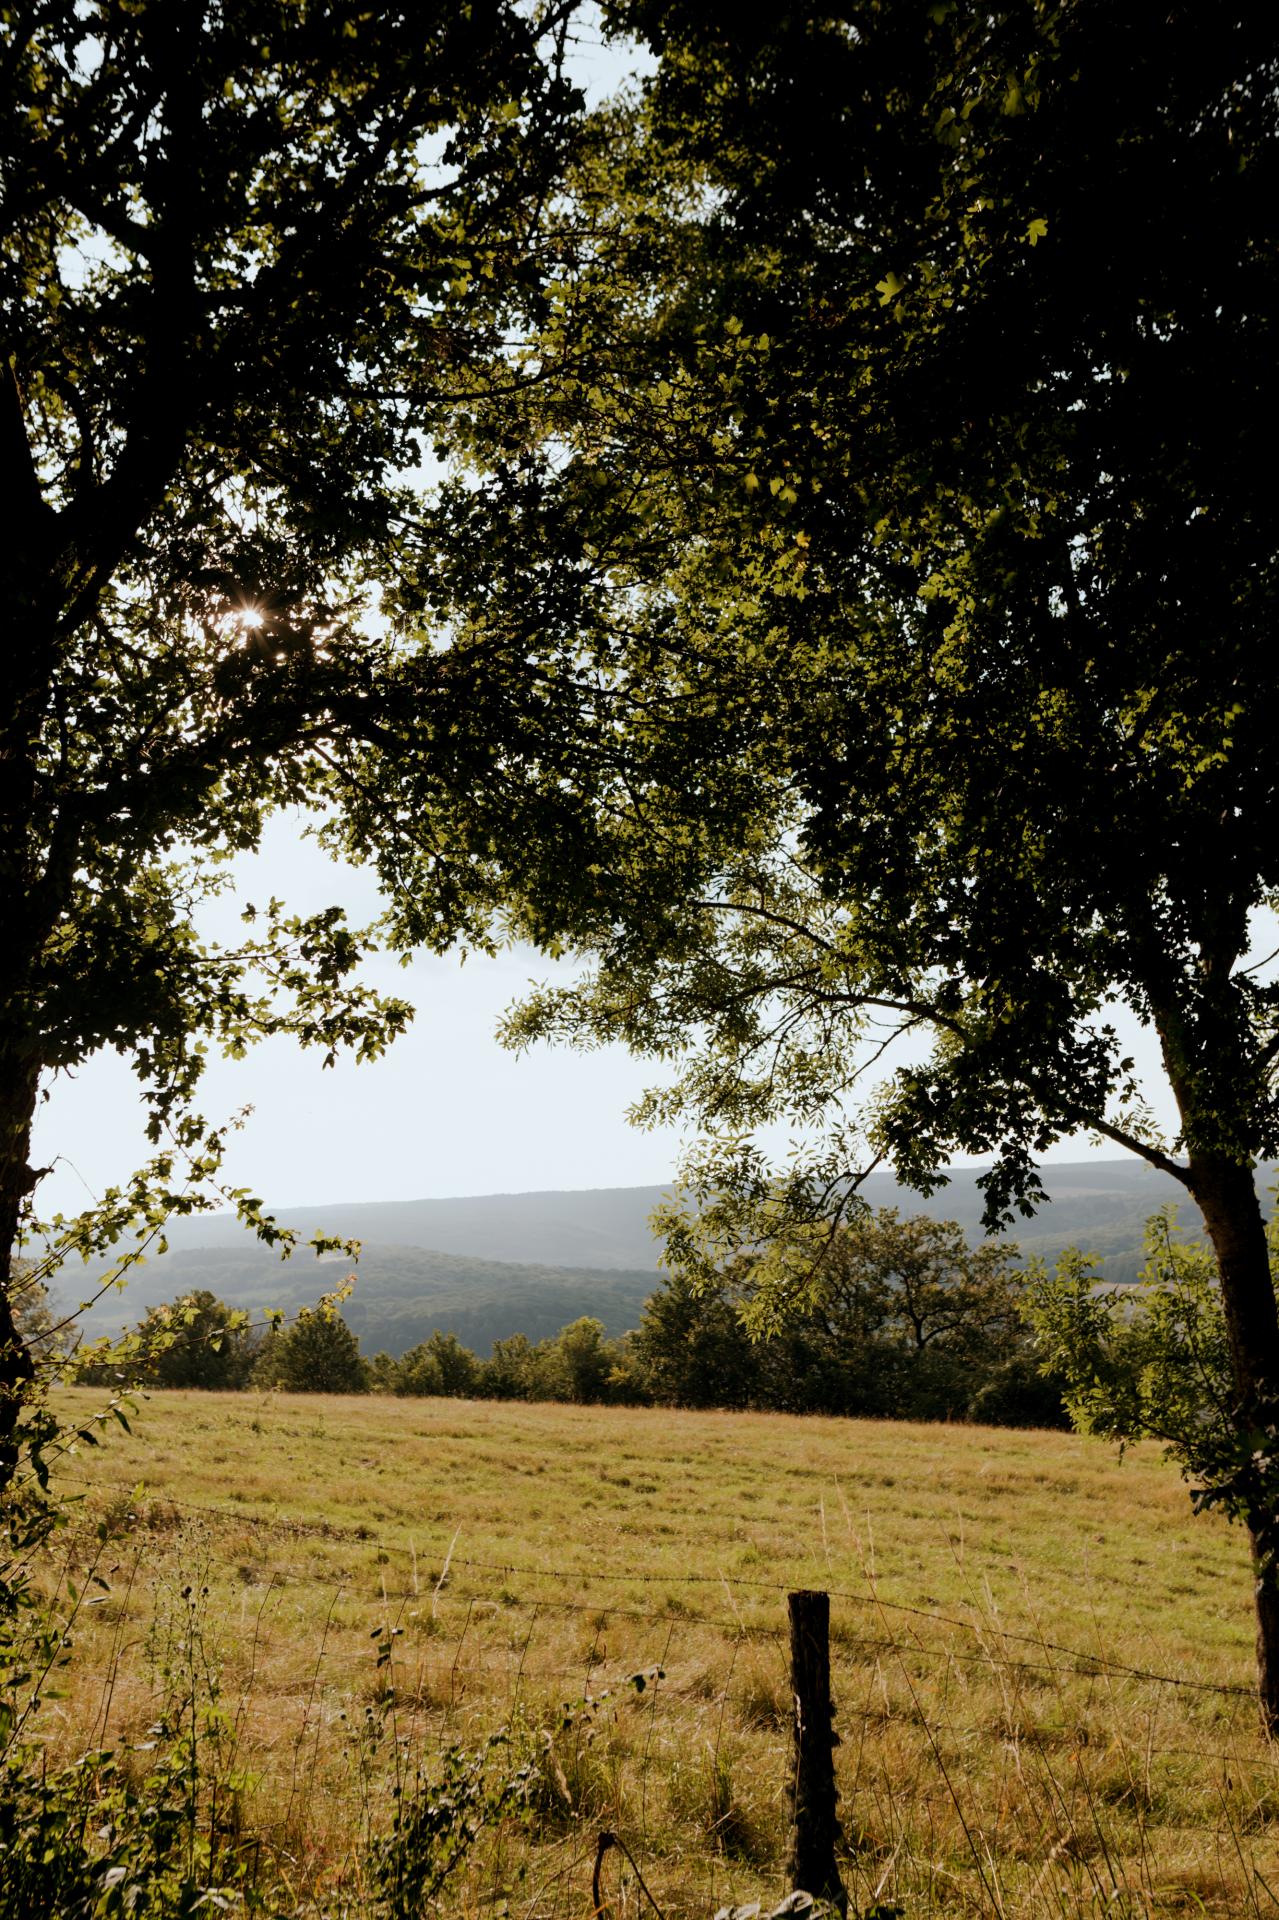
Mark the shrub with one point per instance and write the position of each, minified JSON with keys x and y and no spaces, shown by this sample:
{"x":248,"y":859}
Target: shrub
{"x":317,"y":1354}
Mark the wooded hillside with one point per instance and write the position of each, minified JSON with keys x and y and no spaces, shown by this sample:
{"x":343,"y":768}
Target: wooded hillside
{"x":487,"y":1266}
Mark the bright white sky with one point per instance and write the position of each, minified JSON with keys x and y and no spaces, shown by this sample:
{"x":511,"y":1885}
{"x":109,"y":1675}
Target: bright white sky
{"x":445,"y":1111}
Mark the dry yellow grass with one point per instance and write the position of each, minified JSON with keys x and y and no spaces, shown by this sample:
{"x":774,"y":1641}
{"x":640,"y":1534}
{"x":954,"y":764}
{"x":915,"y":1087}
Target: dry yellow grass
{"x":534,"y":1556}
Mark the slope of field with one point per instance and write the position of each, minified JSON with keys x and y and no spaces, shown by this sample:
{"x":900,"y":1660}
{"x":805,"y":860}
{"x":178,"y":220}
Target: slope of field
{"x":1042,"y":1659}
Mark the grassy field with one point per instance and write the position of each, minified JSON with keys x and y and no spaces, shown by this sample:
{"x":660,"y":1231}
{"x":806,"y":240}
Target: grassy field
{"x":992,"y":1594}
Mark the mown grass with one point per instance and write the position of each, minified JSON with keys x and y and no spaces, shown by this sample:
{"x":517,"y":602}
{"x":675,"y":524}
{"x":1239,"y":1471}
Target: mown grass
{"x":533,"y":1556}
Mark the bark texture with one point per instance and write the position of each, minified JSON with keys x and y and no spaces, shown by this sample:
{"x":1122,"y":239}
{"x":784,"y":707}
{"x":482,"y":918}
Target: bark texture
{"x":1227,"y":1197}
{"x":17,"y":1110}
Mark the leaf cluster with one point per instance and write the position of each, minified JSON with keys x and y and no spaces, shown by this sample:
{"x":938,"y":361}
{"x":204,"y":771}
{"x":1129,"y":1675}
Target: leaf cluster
{"x":1154,"y":1363}
{"x":878,"y":522}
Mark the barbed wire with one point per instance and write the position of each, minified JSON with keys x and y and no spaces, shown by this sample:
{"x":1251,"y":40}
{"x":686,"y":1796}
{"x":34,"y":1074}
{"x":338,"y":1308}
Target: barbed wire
{"x":1086,"y":1665}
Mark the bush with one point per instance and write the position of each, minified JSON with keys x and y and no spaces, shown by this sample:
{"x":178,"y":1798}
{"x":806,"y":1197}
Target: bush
{"x":317,"y":1354}
{"x":1019,"y":1395}
{"x":419,"y":1373}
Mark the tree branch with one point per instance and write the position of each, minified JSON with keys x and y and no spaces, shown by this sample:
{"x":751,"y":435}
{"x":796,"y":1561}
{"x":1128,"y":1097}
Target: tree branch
{"x":1132,"y":1144}
{"x":30,"y":507}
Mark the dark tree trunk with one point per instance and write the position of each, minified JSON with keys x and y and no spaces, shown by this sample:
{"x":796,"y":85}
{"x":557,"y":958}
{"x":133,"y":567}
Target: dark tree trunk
{"x":18,"y":1085}
{"x":29,"y":604}
{"x":1227,"y":1197}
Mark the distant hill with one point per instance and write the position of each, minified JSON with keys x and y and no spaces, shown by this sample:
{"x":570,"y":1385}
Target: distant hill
{"x":494,"y":1264}
{"x":402,"y":1294}
{"x":594,"y":1228}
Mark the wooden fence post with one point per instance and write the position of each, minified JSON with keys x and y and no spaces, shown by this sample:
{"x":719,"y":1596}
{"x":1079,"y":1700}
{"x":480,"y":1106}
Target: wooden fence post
{"x":811,"y":1867}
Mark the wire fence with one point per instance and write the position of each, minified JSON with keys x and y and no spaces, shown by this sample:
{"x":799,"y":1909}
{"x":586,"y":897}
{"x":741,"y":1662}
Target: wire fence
{"x":640,"y":1709}
{"x":1084,"y":1664}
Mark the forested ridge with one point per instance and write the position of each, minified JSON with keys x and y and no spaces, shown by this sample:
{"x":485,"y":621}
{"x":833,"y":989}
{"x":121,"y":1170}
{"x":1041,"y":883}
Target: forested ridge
{"x":401,"y":1295}
{"x":477,"y":1284}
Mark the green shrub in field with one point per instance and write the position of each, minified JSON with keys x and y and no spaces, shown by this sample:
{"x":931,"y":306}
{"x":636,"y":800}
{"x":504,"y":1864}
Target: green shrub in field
{"x":149,"y":1831}
{"x":1153,"y":1362}
{"x":317,"y":1353}
{"x":439,"y":1813}
{"x":85,"y":1841}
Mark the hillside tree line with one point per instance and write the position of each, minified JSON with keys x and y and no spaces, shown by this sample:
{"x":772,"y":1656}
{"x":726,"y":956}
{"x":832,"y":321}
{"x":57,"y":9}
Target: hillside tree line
{"x":911,"y":1324}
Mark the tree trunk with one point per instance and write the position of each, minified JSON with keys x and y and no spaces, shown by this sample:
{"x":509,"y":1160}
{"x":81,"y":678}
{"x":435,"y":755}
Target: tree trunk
{"x":18,"y":1085}
{"x":1227,"y":1197}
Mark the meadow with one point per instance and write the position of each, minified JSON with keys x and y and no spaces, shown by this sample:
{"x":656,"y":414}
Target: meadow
{"x":1042,"y":1658}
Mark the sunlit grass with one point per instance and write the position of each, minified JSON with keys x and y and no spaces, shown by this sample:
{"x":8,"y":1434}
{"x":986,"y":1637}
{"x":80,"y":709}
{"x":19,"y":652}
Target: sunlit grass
{"x":532,"y":1555}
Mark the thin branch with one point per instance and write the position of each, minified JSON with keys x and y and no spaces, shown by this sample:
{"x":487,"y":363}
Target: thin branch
{"x":29,"y":502}
{"x":773,"y":919}
{"x":1132,"y":1144}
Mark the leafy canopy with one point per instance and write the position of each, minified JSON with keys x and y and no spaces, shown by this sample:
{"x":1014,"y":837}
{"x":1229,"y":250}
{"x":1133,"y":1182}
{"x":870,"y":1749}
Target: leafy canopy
{"x":1153,"y":1362}
{"x":881,"y":484}
{"x":240,"y":245}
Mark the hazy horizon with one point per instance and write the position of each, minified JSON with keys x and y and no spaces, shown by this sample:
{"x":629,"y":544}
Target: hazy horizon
{"x":445,"y":1113}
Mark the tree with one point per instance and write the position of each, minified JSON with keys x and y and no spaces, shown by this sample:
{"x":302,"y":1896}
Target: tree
{"x":1153,"y":1362}
{"x":198,"y":1342}
{"x":915,"y":1319}
{"x":905,"y":1321}
{"x":587,"y":1360}
{"x":507,"y":1374}
{"x":316,"y":1353}
{"x":382,"y":1373}
{"x":691,"y":1349}
{"x":195,"y":1341}
{"x":440,"y":1365}
{"x":418,"y":1374}
{"x":885,"y":495}
{"x":239,"y":245}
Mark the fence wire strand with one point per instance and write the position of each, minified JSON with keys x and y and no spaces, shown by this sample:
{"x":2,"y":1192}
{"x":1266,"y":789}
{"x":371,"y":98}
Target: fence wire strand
{"x":1086,"y":1665}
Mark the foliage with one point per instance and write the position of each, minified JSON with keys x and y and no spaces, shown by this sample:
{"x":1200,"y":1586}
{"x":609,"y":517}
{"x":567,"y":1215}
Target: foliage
{"x":316,"y":1353}
{"x":1154,"y":1363}
{"x":156,"y":1828}
{"x":509,"y":1371}
{"x":440,"y":1365}
{"x":88,"y":1841}
{"x":882,"y":492}
{"x":904,"y":1320}
{"x":417,"y":1373}
{"x":578,"y":1364}
{"x":382,"y":1373}
{"x":438,"y":1814}
{"x":1017,"y":1394}
{"x":197,"y":1342}
{"x":691,"y":1347}
{"x":586,"y":1360}
{"x":849,"y":481}
{"x":148,"y":1828}
{"x":33,"y":1314}
{"x":239,"y":246}
{"x":1145,"y":1362}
